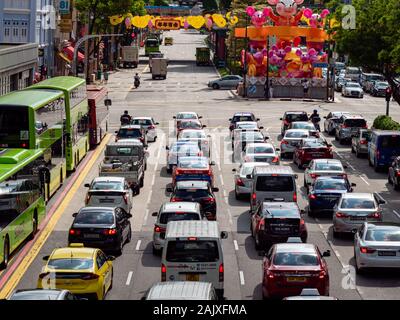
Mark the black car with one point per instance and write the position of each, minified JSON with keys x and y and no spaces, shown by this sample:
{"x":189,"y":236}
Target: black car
{"x":379,"y":88}
{"x":132,"y":132}
{"x":101,"y":227}
{"x":241,"y":116}
{"x":325,"y":193}
{"x":394,"y":174}
{"x":196,"y":191}
{"x":42,"y":294}
{"x":291,"y":116}
{"x":275,"y":222}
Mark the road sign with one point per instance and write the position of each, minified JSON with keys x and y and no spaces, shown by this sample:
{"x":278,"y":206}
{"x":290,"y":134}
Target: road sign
{"x":252,"y":89}
{"x":65,"y":6}
{"x":320,"y":65}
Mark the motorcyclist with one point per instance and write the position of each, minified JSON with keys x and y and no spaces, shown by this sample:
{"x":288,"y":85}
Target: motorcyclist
{"x":125,"y":118}
{"x":136,"y":80}
{"x":315,"y":119}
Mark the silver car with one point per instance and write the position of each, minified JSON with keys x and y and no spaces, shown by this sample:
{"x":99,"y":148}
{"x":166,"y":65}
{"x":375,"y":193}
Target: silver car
{"x":331,"y":120}
{"x":291,"y":140}
{"x":149,"y":125}
{"x":172,"y":211}
{"x":260,"y":152}
{"x":198,"y":136}
{"x":306,"y":126}
{"x":109,"y":192}
{"x":352,"y":89}
{"x":242,"y":139}
{"x":181,"y":148}
{"x":229,"y":82}
{"x":377,"y":245}
{"x":353,"y":209}
{"x":323,"y":168}
{"x":242,"y":183}
{"x":359,"y":142}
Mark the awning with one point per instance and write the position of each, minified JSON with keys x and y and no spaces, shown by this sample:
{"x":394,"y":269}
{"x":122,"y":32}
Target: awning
{"x":64,"y":57}
{"x":69,"y":51}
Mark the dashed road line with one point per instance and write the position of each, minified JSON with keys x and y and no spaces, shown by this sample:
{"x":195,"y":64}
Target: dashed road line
{"x":138,"y":245}
{"x":145,"y":217}
{"x":396,"y":213}
{"x":235,"y":244}
{"x":348,"y":163}
{"x":364,"y":180}
{"x":241,"y":276}
{"x":128,"y":280}
{"x":380,"y":197}
{"x":222,"y":179}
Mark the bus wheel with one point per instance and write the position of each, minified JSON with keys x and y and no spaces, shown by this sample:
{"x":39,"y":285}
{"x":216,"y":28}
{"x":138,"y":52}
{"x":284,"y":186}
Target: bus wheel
{"x":6,"y":254}
{"x":34,"y":225}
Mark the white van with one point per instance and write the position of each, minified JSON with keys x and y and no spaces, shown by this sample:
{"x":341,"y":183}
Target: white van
{"x":193,"y":252}
{"x":181,"y":290}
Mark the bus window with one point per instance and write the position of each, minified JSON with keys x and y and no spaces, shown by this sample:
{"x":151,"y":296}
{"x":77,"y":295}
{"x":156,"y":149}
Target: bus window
{"x":14,"y":127}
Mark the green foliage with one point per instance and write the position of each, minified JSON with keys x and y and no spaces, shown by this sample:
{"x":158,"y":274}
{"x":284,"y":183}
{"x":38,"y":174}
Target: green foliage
{"x":210,"y":5}
{"x":385,"y":123}
{"x":160,"y":3}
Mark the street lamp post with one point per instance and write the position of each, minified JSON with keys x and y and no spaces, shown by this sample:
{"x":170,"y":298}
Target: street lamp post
{"x":245,"y":58}
{"x":266,"y":86}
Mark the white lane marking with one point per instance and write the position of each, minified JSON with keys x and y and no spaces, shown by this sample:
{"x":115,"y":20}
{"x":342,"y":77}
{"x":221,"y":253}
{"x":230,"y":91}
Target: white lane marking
{"x":146,"y":216}
{"x":339,"y":155}
{"x":235,"y":245}
{"x":380,"y":196}
{"x":351,"y":166}
{"x":128,"y":280}
{"x":230,"y":215}
{"x":364,"y":180}
{"x":138,"y":245}
{"x":241,"y":275}
{"x":225,"y":194}
{"x":222,"y":179}
{"x":396,"y":213}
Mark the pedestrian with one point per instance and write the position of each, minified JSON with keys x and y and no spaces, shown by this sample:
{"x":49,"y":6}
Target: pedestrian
{"x":271,"y":89}
{"x":306,"y":87}
{"x":105,"y":73}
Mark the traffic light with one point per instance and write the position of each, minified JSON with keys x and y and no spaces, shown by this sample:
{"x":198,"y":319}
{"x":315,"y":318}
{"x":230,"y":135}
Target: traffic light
{"x":388,"y":93}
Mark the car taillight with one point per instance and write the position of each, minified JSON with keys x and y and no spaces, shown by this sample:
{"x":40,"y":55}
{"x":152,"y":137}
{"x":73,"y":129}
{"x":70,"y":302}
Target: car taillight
{"x":90,"y":276}
{"x":313,"y":175}
{"x":87,"y":198}
{"x":178,"y":171}
{"x":239,"y":182}
{"x":24,"y":145}
{"x":275,"y":160}
{"x":125,"y":198}
{"x":221,"y":272}
{"x":341,"y":215}
{"x":271,"y":274}
{"x":375,"y":215}
{"x":284,"y":142}
{"x":367,"y":250}
{"x":285,"y":122}
{"x":163,"y":272}
{"x":110,"y":232}
{"x":377,"y":153}
{"x":312,"y":197}
{"x":253,"y":198}
{"x":295,"y":197}
{"x":158,"y":229}
{"x":261,"y":226}
{"x":176,"y":199}
{"x":344,"y":126}
{"x":363,"y":142}
{"x":398,"y":173}
{"x":322,"y":274}
{"x":302,"y":223}
{"x":74,"y":232}
{"x":212,"y":200}
{"x":151,"y":127}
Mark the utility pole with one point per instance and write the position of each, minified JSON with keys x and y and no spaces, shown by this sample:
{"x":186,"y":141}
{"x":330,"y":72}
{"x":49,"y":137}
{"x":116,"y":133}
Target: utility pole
{"x":266,"y":86}
{"x":245,"y":62}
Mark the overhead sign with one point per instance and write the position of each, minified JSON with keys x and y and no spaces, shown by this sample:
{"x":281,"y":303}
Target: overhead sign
{"x":65,"y":6}
{"x":320,"y":65}
{"x":167,"y":24}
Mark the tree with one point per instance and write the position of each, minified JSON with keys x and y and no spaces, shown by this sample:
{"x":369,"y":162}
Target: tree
{"x":374,"y":44}
{"x":210,"y":5}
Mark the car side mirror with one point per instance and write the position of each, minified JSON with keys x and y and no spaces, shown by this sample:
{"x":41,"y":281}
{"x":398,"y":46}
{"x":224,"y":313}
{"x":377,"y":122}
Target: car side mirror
{"x":215,"y":189}
{"x":46,"y":258}
{"x":260,"y":127}
{"x":381,"y":201}
{"x":110,"y":258}
{"x":208,"y":136}
{"x":157,"y":123}
{"x":309,"y":184}
{"x":224,"y":235}
{"x":154,"y":214}
{"x":212,"y":163}
{"x":107,"y":102}
{"x":266,"y":138}
{"x":200,"y":117}
{"x":169,"y":189}
{"x":329,"y":145}
{"x":115,"y":131}
{"x":129,"y":215}
{"x":230,"y":119}
{"x":166,"y":148}
{"x":280,"y":118}
{"x":234,"y":170}
{"x":174,"y":117}
{"x":327,"y":253}
{"x":204,"y":126}
{"x":75,"y":214}
{"x":248,"y":176}
{"x":87,"y":185}
{"x":258,"y":119}
{"x":302,"y":212}
{"x":277,"y":149}
{"x":353,"y":184}
{"x":345,"y":166}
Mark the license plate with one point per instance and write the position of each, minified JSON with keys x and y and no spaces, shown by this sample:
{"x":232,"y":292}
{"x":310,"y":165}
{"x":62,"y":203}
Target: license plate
{"x":294,"y":143}
{"x":281,"y":229}
{"x":296,"y":279}
{"x":387,"y":253}
{"x":192,"y":277}
{"x":106,"y":200}
{"x":358,"y":218}
{"x":91,"y":235}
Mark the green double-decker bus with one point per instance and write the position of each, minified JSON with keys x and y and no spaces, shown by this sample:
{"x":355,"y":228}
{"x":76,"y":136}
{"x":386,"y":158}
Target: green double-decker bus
{"x":22,"y":205}
{"x":34,"y":120}
{"x":76,"y":115}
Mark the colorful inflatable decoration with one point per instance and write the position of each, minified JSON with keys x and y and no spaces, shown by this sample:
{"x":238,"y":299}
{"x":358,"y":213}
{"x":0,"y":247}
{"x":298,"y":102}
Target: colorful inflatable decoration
{"x":258,"y":18}
{"x":232,"y":19}
{"x":141,"y":21}
{"x":219,"y":20}
{"x":116,"y":20}
{"x":287,"y":12}
{"x":316,"y":20}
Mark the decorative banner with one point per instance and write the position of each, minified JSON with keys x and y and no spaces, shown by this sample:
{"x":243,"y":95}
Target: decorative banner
{"x":168,"y":24}
{"x":196,"y":21}
{"x":141,"y":21}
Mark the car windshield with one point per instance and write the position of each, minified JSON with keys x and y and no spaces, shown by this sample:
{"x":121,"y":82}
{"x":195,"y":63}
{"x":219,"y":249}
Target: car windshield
{"x":243,"y":118}
{"x":381,"y":84}
{"x":331,"y":185}
{"x":352,"y":85}
{"x":192,"y":251}
{"x":390,"y":142}
{"x":251,"y":136}
{"x":387,"y":233}
{"x":186,"y":116}
{"x":196,"y":163}
{"x":142,"y":122}
{"x":107,"y":185}
{"x":188,"y":149}
{"x":323,"y":166}
{"x":36,"y":295}
{"x":296,"y":117}
{"x":189,"y":125}
{"x":246,"y":125}
{"x":354,"y":203}
{"x":193,"y":134}
{"x":94,"y":217}
{"x":259,"y":149}
{"x":275,"y":183}
{"x":366,"y":135}
{"x":283,"y":213}
{"x":296,"y":134}
{"x":70,"y":263}
{"x":192,"y":193}
{"x":313,"y":144}
{"x":295,"y":259}
{"x":129,"y":133}
{"x":178,"y":216}
{"x":299,"y":125}
{"x":360,"y":123}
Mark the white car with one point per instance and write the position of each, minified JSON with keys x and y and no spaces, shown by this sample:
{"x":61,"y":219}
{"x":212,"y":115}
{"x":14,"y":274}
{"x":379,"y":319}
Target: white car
{"x":187,"y":115}
{"x":352,"y":89}
{"x":243,"y":185}
{"x":181,"y":148}
{"x":260,"y":152}
{"x":109,"y":192}
{"x":291,"y":140}
{"x":200,"y":137}
{"x":323,"y":168}
{"x":149,"y":125}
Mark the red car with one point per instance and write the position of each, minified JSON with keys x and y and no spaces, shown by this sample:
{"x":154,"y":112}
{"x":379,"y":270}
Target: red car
{"x":188,"y":124}
{"x":193,"y":168}
{"x":288,"y":268}
{"x":310,"y":149}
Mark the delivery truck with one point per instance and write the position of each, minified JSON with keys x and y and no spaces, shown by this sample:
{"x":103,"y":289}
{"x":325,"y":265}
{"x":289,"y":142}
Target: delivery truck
{"x":159,"y":68}
{"x":130,"y":56}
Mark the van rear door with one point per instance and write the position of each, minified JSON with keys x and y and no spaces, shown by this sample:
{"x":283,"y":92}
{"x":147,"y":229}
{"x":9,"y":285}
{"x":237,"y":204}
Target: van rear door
{"x":275,"y":186}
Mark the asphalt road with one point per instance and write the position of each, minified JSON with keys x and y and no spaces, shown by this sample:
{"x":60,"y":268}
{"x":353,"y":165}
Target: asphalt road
{"x":185,"y":89}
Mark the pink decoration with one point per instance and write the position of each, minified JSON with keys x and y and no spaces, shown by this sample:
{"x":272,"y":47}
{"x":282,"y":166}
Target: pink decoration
{"x":258,"y":18}
{"x":287,"y":12}
{"x":186,"y":24}
{"x":128,"y":23}
{"x":209,"y":23}
{"x":150,"y":24}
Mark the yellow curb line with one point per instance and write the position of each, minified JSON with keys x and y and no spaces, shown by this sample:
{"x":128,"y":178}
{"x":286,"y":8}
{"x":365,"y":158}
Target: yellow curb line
{"x":41,"y":240}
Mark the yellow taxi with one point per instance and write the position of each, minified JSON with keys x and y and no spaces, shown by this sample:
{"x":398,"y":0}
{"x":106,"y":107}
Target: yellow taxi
{"x":168,"y":41}
{"x":86,"y":272}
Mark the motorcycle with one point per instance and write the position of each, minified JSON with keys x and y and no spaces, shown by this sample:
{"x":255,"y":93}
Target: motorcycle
{"x":315,"y":122}
{"x":137,"y":83}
